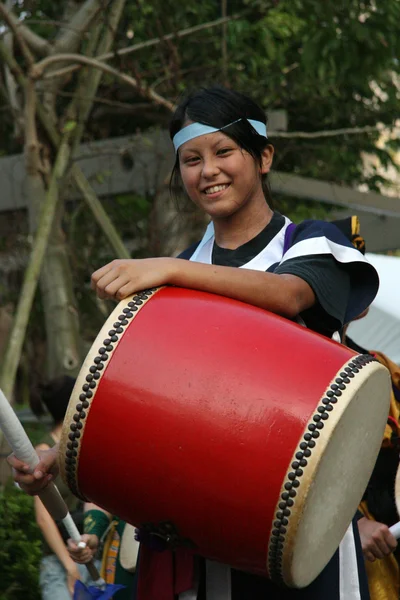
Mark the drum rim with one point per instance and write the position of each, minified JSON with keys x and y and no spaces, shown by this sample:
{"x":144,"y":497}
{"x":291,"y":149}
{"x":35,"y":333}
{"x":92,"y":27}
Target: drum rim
{"x":86,"y":385}
{"x":286,"y":519}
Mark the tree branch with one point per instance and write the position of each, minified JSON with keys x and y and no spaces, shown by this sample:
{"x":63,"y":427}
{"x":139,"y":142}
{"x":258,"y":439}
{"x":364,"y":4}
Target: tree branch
{"x":224,"y":44}
{"x":10,"y":88}
{"x":12,"y":64}
{"x":78,"y":104}
{"x":328,"y":133}
{"x":87,"y":191}
{"x":38,"y":69}
{"x":91,"y":83}
{"x":99,"y":213}
{"x":18,"y":35}
{"x":181,"y":72}
{"x":43,"y":22}
{"x":31,"y":138}
{"x":153,"y":42}
{"x":128,"y":107}
{"x":34,"y":41}
{"x":31,"y":277}
{"x":70,"y":40}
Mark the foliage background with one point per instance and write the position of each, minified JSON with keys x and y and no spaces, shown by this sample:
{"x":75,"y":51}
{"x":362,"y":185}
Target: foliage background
{"x":20,"y":546}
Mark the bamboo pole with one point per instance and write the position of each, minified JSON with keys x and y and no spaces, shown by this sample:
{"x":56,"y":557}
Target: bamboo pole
{"x":32,"y":274}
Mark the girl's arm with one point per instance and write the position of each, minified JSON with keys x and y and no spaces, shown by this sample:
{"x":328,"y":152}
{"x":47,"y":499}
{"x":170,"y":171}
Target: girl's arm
{"x":53,"y":538}
{"x":285,"y":295}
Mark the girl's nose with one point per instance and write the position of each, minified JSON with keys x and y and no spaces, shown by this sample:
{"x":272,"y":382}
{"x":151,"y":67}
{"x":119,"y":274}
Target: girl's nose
{"x":210,"y":167}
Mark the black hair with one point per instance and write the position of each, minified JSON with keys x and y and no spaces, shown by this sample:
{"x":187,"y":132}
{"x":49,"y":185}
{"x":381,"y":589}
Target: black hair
{"x":52,"y":397}
{"x":219,"y":107}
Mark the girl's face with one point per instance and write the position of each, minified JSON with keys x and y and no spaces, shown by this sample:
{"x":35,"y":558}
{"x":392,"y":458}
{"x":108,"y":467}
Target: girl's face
{"x":221,"y":177}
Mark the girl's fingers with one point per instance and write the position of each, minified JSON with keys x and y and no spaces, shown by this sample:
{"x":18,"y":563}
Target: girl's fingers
{"x":384,"y":541}
{"x":78,"y":554}
{"x":121,"y":278}
{"x":108,"y":279}
{"x":17,"y":464}
{"x":97,"y":275}
{"x":112,"y":290}
{"x":369,"y":556}
{"x":35,"y":479}
{"x":381,"y":548}
{"x":390,"y":540}
{"x":126,"y":290}
{"x":24,"y":478}
{"x":110,"y":283}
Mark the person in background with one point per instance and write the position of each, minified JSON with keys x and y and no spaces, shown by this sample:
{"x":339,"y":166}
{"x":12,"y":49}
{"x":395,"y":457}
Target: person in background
{"x":58,"y":571}
{"x":120,"y":549}
{"x":377,"y":511}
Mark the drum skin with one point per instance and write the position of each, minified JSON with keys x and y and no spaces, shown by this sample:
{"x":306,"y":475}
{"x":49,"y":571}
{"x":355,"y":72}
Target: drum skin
{"x":194,"y":421}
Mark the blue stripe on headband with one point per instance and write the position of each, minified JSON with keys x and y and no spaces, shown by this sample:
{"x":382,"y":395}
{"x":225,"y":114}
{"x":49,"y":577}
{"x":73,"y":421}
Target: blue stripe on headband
{"x":197,"y":129}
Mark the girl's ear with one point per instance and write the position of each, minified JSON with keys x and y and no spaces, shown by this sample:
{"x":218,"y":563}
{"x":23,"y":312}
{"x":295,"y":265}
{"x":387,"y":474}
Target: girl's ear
{"x":267,"y":158}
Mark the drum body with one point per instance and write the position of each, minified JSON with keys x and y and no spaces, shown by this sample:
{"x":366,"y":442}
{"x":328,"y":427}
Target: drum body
{"x":226,"y":429}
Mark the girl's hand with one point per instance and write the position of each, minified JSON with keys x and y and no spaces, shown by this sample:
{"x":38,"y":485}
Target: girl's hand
{"x":376,"y":539}
{"x":121,"y":278}
{"x":46,"y":470}
{"x":83,"y":555}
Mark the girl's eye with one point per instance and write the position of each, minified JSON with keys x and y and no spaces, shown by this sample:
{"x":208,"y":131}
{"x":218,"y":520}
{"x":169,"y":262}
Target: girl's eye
{"x":224,"y":151}
{"x":191,"y":159}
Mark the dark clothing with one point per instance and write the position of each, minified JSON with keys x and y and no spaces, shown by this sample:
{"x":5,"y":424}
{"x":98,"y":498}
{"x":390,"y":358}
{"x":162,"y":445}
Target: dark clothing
{"x":343,"y":288}
{"x":379,"y":494}
{"x":325,"y":587}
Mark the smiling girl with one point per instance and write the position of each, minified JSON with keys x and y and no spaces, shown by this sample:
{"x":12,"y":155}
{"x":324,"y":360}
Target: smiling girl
{"x":310,"y":273}
{"x":222,"y":159}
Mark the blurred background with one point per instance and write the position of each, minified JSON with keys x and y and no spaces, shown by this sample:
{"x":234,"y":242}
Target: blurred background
{"x":87,"y":89}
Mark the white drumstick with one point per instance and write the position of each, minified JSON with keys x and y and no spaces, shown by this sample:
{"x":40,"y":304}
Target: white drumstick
{"x":22,"y":448}
{"x":395,"y":530}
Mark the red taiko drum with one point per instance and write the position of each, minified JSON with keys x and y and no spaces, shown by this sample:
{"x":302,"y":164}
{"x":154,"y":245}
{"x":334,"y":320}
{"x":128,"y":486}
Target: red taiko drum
{"x":225,"y":428}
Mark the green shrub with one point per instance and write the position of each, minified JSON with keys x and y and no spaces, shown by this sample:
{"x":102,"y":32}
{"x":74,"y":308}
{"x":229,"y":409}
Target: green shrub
{"x":20,"y":546}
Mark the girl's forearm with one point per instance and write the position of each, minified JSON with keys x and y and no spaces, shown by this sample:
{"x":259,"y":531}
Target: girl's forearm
{"x":52,"y":535}
{"x":286,"y":295}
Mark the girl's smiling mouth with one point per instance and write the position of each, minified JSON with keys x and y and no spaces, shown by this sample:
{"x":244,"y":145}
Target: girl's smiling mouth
{"x":216,"y":189}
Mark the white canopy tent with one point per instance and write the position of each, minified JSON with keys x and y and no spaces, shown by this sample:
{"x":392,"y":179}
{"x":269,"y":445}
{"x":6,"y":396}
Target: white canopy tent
{"x":380,"y":329}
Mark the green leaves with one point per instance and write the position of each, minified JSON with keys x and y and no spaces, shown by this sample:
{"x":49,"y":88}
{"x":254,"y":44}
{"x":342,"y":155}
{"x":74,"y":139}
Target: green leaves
{"x":69,"y":126}
{"x":20,"y":546}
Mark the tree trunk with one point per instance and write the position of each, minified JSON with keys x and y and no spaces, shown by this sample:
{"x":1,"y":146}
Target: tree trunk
{"x":59,"y":306}
{"x":48,"y":209}
{"x":64,"y":345}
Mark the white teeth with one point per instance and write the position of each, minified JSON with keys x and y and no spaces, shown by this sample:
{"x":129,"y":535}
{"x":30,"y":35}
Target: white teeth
{"x":216,"y":188}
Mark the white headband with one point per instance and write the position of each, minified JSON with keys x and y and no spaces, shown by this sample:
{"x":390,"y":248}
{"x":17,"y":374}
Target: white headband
{"x":196,"y":129}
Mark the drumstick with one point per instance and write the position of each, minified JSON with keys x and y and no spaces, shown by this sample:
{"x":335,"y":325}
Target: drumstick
{"x":21,"y":446}
{"x":395,"y":530}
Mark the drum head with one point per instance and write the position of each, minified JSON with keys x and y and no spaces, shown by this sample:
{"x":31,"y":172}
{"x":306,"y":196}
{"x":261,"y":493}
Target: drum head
{"x":314,"y":534}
